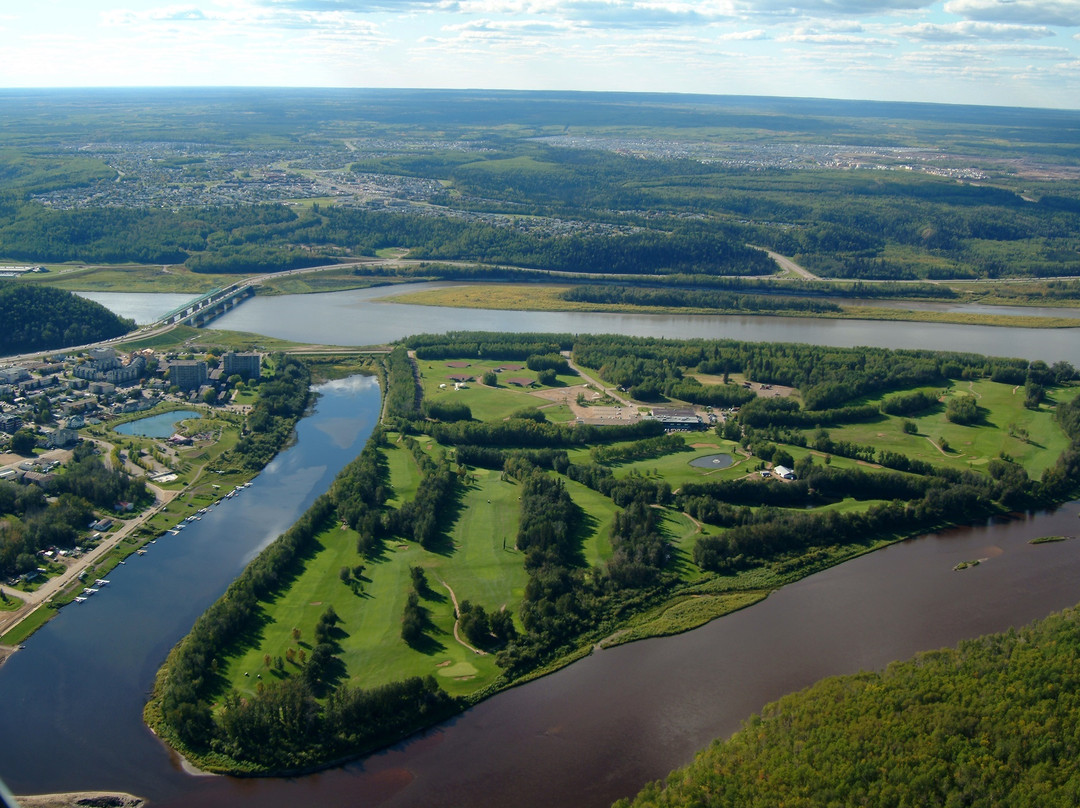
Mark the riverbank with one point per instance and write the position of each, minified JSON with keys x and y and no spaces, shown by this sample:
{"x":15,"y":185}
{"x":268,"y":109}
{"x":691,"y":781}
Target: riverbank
{"x":548,"y":298}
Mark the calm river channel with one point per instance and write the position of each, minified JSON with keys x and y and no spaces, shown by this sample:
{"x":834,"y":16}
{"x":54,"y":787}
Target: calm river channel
{"x":70,"y":704}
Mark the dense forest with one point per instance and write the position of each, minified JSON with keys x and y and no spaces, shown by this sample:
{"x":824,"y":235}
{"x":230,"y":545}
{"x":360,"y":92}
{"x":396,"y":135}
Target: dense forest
{"x":994,"y":721}
{"x":38,"y":318}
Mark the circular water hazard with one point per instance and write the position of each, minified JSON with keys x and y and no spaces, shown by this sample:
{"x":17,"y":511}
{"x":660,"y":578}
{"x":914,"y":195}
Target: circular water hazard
{"x":713,"y":461}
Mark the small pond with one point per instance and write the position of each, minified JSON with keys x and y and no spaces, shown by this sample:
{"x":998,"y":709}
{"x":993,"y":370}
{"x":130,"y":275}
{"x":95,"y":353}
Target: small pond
{"x":162,"y":425}
{"x":713,"y":461}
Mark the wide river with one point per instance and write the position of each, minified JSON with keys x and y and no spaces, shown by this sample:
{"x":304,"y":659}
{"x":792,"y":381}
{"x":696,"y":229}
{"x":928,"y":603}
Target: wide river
{"x":70,"y":703}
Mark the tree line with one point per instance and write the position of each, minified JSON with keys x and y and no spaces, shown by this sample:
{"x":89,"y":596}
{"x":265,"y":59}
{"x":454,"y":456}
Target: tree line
{"x":989,"y":722}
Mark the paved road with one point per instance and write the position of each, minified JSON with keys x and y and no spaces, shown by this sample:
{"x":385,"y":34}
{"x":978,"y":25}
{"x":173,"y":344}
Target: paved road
{"x":789,"y":265}
{"x":32,"y":600}
{"x":604,"y":388}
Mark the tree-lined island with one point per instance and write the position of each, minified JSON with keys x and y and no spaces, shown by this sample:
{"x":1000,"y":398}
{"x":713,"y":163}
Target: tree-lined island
{"x":508,"y":515}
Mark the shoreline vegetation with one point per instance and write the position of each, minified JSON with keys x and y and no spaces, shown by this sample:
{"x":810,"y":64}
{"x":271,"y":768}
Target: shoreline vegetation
{"x":520,"y":289}
{"x":561,"y":536}
{"x":535,"y":297}
{"x":990,"y":721}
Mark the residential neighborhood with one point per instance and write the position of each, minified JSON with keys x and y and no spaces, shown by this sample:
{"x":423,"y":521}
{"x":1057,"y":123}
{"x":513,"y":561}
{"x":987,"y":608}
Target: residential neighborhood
{"x":44,"y":404}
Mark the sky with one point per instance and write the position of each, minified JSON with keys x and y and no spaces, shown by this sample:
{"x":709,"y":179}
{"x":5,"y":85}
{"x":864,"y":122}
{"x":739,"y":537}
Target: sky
{"x":998,"y":52}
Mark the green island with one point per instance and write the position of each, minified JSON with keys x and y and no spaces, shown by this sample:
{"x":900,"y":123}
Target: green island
{"x":529,"y":496}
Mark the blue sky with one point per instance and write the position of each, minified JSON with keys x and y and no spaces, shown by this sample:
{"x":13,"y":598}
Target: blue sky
{"x":1011,"y":52}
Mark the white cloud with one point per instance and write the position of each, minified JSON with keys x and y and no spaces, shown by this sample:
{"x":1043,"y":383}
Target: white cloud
{"x":803,"y":8}
{"x":968,"y":29}
{"x":163,"y":14}
{"x":742,"y":36}
{"x":1025,"y":12}
{"x":816,"y":36}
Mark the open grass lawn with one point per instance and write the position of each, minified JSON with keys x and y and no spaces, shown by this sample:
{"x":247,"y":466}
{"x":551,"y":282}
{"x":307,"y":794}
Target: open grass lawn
{"x":486,"y":403}
{"x":478,"y":566}
{"x":558,"y":413}
{"x":682,"y":533}
{"x":473,"y":562}
{"x":369,"y":632}
{"x":599,"y":512}
{"x":131,"y":278}
{"x":404,"y":473}
{"x":39,"y":617}
{"x":676,"y":468}
{"x":1002,"y":407}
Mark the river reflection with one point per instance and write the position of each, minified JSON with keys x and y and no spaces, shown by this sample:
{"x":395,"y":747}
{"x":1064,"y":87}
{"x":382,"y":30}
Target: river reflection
{"x":76,"y":693}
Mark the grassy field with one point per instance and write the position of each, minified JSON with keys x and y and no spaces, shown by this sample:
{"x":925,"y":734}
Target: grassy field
{"x":328,"y":280}
{"x":531,"y":297}
{"x":477,"y":559}
{"x":130,"y":278}
{"x":487,"y":403}
{"x":39,"y":617}
{"x":1030,"y":437}
{"x":474,"y":563}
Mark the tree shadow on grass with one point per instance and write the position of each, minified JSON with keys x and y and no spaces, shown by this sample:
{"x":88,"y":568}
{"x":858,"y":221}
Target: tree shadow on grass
{"x":333,"y":673}
{"x":251,"y":637}
{"x":427,"y":642}
{"x":444,"y":544}
{"x":586,"y":525}
{"x":680,"y":561}
{"x":427,"y":593}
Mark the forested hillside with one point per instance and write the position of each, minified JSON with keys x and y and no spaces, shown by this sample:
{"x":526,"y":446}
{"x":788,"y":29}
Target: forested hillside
{"x":37,"y":318}
{"x":681,"y":186}
{"x":994,"y":721}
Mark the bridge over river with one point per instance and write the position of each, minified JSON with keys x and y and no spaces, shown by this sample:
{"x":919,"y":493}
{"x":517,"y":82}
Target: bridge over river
{"x":202,"y":310}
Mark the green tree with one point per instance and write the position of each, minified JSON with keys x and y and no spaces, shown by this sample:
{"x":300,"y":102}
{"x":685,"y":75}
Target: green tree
{"x":23,"y":442}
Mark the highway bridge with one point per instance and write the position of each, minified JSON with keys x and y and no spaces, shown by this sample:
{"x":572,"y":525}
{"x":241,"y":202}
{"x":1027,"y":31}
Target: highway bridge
{"x":200,"y":311}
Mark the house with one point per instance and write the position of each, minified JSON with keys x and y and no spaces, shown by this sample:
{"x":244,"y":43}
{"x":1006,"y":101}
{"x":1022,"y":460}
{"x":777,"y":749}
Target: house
{"x":784,"y":473}
{"x":460,"y":377}
{"x":521,"y":381}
